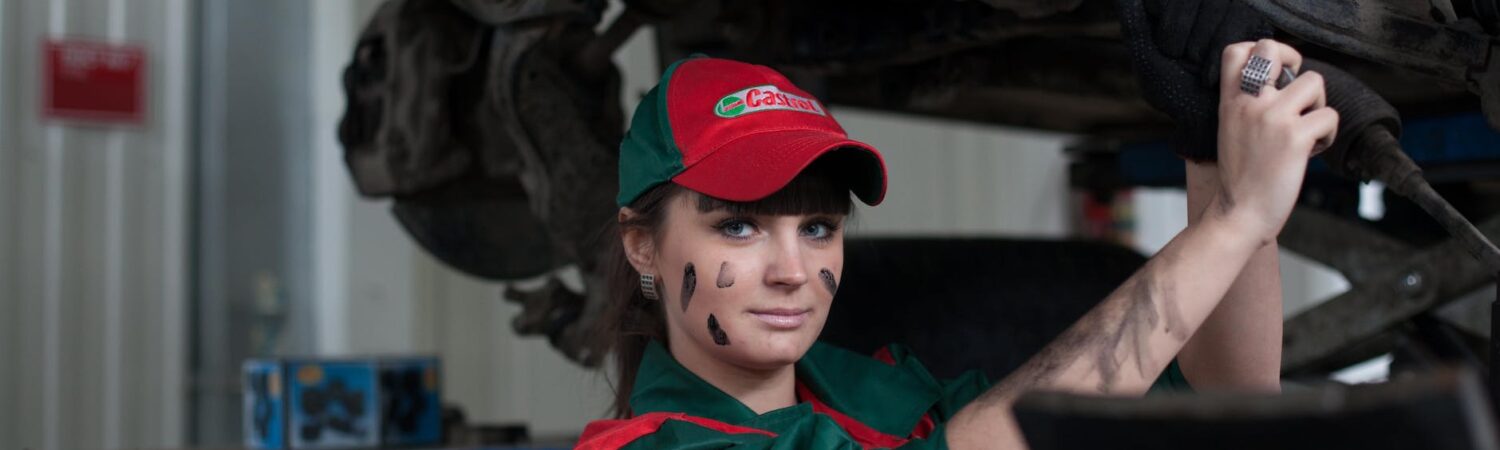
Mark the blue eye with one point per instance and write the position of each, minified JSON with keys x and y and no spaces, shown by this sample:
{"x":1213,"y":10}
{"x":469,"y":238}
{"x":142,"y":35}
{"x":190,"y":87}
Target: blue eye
{"x":819,"y":230}
{"x":737,"y":229}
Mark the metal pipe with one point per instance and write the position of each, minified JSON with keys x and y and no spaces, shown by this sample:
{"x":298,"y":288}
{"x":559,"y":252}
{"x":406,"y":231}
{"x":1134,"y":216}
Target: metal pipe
{"x":1381,"y":159}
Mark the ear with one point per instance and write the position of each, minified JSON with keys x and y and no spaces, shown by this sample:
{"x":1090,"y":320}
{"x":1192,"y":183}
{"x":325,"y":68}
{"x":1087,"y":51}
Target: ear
{"x":640,"y":245}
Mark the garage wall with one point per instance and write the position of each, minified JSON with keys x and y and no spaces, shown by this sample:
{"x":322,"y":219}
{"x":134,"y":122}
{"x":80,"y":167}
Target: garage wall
{"x":93,"y":239}
{"x":951,"y":178}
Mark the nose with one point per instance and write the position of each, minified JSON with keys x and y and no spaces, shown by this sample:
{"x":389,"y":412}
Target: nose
{"x":786,"y":268}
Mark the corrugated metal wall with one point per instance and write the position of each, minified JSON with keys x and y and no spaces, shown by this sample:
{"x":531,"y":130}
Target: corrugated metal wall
{"x":253,"y":267}
{"x":93,"y":239}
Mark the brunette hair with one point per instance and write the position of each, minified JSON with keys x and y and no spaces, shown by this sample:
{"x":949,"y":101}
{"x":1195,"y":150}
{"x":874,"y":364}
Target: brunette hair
{"x":629,"y":321}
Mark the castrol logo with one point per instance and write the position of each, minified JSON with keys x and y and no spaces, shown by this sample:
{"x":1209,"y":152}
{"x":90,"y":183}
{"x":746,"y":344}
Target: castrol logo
{"x":764,"y":98}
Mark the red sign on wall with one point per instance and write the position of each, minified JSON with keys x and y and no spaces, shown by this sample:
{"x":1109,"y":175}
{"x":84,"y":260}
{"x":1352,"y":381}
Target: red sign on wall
{"x":94,"y":81}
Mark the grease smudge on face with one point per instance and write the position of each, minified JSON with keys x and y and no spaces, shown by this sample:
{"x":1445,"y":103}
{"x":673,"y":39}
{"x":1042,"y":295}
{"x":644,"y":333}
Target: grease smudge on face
{"x":726,"y":279}
{"x":720,"y":337}
{"x":828,"y":281}
{"x":689,"y":283}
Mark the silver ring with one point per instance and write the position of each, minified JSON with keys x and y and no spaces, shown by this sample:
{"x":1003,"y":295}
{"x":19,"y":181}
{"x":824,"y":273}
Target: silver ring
{"x":1257,"y":72}
{"x":1287,"y":77}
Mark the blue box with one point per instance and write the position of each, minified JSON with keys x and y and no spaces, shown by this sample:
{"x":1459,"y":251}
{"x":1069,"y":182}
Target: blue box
{"x":342,"y":403}
{"x":333,"y":404}
{"x":265,"y":400}
{"x":411,"y":405}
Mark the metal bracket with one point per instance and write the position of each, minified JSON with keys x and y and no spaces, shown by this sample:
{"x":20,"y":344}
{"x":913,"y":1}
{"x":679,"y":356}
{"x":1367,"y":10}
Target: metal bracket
{"x":1390,"y":283}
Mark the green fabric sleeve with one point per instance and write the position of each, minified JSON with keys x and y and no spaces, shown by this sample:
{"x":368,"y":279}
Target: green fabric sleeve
{"x":812,"y":433}
{"x":1171,"y":380}
{"x":818,"y":432}
{"x":958,"y":392}
{"x":675,"y":434}
{"x":938,"y":440}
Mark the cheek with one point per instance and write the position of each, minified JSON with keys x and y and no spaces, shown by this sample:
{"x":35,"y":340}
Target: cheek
{"x":707,"y":298}
{"x":829,"y":281}
{"x":726,"y":276}
{"x":710,"y":289}
{"x":827,"y":271}
{"x":713,"y":286}
{"x":703,"y":283}
{"x":689,"y":285}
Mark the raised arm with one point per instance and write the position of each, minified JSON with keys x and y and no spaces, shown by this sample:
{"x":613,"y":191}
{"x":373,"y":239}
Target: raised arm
{"x":1121,"y":345}
{"x":1239,"y":345}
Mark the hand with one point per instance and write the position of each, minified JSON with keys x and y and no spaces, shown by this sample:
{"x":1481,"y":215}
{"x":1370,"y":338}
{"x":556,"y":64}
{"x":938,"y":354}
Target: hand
{"x":1266,"y":140}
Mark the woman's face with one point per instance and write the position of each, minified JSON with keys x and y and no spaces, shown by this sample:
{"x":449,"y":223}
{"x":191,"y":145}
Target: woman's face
{"x":749,"y":290}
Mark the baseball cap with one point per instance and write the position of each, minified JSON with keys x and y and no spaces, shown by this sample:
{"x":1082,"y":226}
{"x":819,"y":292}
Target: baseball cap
{"x":737,"y":132}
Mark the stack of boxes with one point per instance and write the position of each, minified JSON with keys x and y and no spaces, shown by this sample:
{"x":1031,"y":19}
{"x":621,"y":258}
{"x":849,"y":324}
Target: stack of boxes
{"x":342,"y":403}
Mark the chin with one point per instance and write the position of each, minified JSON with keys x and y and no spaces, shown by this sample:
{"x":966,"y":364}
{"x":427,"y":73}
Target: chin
{"x":774,"y":350}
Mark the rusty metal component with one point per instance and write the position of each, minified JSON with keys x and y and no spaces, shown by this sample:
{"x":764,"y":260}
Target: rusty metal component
{"x":1390,"y":283}
{"x":401,"y":132}
{"x":1373,"y":153}
{"x":840,"y":35}
{"x":1487,"y":83}
{"x":566,"y":129}
{"x":560,"y":314}
{"x":1032,"y":9}
{"x":658,"y":9}
{"x":508,"y":12}
{"x":566,"y":124}
{"x":478,"y":227}
{"x":971,"y":61}
{"x":1377,"y":31}
{"x":1488,"y":13}
{"x":1456,"y":51}
{"x":493,"y":125}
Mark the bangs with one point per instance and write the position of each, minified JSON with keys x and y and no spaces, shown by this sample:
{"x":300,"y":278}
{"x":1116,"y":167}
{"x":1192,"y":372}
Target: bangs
{"x":817,"y":190}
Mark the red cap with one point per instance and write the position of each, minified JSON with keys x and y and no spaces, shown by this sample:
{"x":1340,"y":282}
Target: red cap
{"x":738,"y":132}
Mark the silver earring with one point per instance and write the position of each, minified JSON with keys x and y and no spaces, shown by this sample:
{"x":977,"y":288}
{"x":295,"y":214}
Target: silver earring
{"x":648,"y":286}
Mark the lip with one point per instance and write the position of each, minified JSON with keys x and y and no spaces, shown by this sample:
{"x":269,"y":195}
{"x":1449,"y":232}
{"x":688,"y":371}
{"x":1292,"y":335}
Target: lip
{"x":782,"y":318}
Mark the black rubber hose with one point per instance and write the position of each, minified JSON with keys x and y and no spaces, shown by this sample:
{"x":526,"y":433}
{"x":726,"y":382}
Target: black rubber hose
{"x":1377,"y":156}
{"x":1360,"y":109}
{"x":1367,"y":148}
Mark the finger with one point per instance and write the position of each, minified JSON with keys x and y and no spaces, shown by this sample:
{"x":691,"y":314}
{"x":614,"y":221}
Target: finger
{"x":1290,"y":57}
{"x":1231,"y":63}
{"x":1304,"y":95}
{"x":1322,"y":125}
{"x":1281,"y":55}
{"x":1322,"y":90}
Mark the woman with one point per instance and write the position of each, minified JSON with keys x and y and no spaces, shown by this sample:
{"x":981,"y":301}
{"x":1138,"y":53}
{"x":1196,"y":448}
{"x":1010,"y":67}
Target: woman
{"x":734,"y":186}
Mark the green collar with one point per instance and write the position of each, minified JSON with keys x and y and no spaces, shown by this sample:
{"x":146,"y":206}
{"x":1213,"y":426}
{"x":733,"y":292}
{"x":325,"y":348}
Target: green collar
{"x":888,"y":398}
